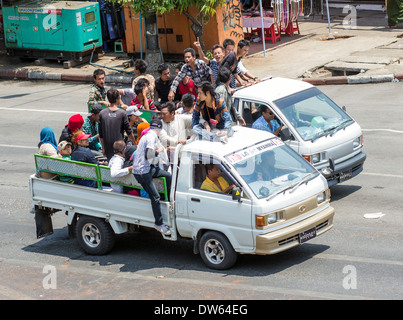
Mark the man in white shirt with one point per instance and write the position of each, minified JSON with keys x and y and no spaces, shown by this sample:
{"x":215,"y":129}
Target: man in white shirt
{"x":116,"y":164}
{"x":175,"y":126}
{"x":144,"y":171}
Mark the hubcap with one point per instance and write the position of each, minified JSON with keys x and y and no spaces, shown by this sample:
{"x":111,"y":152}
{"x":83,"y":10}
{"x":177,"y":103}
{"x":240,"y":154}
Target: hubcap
{"x":214,"y":251}
{"x":91,"y":235}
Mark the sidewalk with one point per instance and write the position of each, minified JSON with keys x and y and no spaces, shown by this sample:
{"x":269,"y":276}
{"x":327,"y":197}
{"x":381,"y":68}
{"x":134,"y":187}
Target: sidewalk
{"x":368,"y":53}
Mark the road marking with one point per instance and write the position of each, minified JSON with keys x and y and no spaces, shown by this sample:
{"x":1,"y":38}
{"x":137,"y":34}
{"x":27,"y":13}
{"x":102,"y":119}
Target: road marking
{"x":386,"y":175}
{"x":358,"y":259}
{"x":16,"y":146}
{"x":40,"y":110}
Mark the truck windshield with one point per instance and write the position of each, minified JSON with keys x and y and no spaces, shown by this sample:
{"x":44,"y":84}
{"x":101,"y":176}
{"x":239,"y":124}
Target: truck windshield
{"x":313,"y":114}
{"x":271,"y":167}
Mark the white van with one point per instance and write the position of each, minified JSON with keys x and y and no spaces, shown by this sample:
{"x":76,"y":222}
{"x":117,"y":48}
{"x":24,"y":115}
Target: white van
{"x":279,"y":202}
{"x":316,"y":127}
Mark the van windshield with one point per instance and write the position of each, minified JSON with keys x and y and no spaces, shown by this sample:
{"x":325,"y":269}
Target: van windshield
{"x":313,"y":114}
{"x":271,"y":167}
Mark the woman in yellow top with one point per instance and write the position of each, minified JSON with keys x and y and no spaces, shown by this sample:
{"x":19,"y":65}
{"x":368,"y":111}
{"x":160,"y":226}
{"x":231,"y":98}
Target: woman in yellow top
{"x":214,"y":182}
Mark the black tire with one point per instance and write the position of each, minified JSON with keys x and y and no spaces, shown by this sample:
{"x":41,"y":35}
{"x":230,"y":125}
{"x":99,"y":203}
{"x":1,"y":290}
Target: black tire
{"x":94,"y":235}
{"x":216,"y":251}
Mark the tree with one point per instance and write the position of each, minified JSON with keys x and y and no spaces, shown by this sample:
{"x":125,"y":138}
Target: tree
{"x":150,"y":8}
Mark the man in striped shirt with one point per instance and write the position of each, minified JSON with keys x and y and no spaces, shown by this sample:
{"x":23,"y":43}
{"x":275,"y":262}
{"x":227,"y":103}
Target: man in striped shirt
{"x":196,"y":69}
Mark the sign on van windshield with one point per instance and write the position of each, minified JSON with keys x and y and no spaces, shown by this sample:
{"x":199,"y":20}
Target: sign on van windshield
{"x":251,"y":151}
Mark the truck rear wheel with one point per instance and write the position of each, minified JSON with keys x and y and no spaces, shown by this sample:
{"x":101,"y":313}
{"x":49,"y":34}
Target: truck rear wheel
{"x":216,"y":251}
{"x":95,"y":235}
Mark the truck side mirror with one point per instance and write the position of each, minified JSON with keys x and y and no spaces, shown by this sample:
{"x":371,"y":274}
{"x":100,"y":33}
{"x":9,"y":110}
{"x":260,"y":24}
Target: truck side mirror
{"x":285,"y":134}
{"x":236,"y":194}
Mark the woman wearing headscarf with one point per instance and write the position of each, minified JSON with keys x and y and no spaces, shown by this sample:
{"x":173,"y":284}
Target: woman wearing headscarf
{"x":48,"y":147}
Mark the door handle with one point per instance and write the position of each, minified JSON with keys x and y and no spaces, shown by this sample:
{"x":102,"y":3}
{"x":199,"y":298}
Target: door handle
{"x":195,"y":199}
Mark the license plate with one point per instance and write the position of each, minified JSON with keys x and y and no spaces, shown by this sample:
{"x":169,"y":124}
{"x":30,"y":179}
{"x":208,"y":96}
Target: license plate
{"x":307,"y":235}
{"x":346,"y":175}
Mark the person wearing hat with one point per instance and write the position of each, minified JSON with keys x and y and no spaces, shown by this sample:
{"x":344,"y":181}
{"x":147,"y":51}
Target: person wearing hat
{"x":133,"y":114}
{"x":90,"y":126}
{"x":65,"y":150}
{"x":75,"y":123}
{"x":83,"y":154}
{"x":144,"y":170}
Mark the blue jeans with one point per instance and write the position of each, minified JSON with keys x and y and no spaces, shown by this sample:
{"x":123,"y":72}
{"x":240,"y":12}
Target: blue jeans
{"x":146,"y":181}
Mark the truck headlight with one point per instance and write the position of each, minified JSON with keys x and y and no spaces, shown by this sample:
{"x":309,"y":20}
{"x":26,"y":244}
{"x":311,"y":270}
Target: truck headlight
{"x":323,"y":196}
{"x":313,"y":158}
{"x":266,"y":219}
{"x":357,"y":142}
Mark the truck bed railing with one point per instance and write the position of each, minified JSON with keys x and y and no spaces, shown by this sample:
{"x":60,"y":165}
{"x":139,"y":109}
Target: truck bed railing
{"x":88,"y":171}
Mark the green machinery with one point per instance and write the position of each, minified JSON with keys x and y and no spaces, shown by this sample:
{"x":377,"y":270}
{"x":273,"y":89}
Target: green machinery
{"x":62,"y":30}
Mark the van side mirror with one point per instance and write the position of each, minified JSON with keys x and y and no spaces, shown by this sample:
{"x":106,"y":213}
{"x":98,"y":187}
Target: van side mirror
{"x":285,"y":134}
{"x":236,"y":194}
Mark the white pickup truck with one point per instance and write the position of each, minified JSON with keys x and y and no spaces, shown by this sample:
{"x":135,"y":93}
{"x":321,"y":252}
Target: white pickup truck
{"x":314,"y":126}
{"x":279,"y":202}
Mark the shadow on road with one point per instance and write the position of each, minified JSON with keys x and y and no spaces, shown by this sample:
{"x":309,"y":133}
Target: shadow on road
{"x":147,"y":250}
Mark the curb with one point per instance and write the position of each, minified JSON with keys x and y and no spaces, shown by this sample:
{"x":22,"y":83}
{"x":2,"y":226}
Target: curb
{"x":355,"y":79}
{"x":41,"y":75}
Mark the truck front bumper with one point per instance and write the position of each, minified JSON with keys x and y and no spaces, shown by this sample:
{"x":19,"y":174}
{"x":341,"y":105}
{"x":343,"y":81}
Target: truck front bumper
{"x":288,"y":237}
{"x":346,"y":169}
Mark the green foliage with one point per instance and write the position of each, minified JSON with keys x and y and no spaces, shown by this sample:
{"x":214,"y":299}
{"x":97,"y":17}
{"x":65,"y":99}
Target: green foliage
{"x":162,"y":6}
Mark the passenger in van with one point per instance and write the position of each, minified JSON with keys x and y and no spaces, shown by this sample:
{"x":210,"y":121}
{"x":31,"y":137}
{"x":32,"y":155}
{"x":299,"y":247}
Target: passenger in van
{"x":216,"y":124}
{"x":117,"y":164}
{"x":48,"y":147}
{"x":266,"y":170}
{"x":266,"y":121}
{"x":214,"y":181}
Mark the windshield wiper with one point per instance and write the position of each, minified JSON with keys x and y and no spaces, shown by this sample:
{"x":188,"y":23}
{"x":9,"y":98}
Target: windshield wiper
{"x":332,"y":131}
{"x":340,"y":126}
{"x":293,"y":186}
{"x":302,"y":180}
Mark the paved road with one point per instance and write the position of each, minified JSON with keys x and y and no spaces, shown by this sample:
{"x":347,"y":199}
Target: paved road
{"x":358,"y":259}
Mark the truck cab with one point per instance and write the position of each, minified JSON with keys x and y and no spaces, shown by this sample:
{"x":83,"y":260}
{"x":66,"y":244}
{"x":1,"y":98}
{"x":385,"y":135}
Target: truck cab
{"x":314,"y":126}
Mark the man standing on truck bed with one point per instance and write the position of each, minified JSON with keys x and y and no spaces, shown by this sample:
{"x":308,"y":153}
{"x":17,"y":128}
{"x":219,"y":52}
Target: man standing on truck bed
{"x":144,"y":171}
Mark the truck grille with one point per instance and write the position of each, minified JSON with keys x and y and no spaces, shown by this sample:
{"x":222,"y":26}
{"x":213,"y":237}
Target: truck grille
{"x":296,"y":236}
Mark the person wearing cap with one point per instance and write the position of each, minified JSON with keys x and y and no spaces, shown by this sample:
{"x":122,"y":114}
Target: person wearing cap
{"x":65,"y":150}
{"x":145,"y":170}
{"x":75,"y":123}
{"x":133,"y":114}
{"x":91,"y":127}
{"x":83,"y":154}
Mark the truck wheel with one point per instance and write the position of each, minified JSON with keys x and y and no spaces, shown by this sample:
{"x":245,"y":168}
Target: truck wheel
{"x":216,"y":251}
{"x":95,"y":235}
